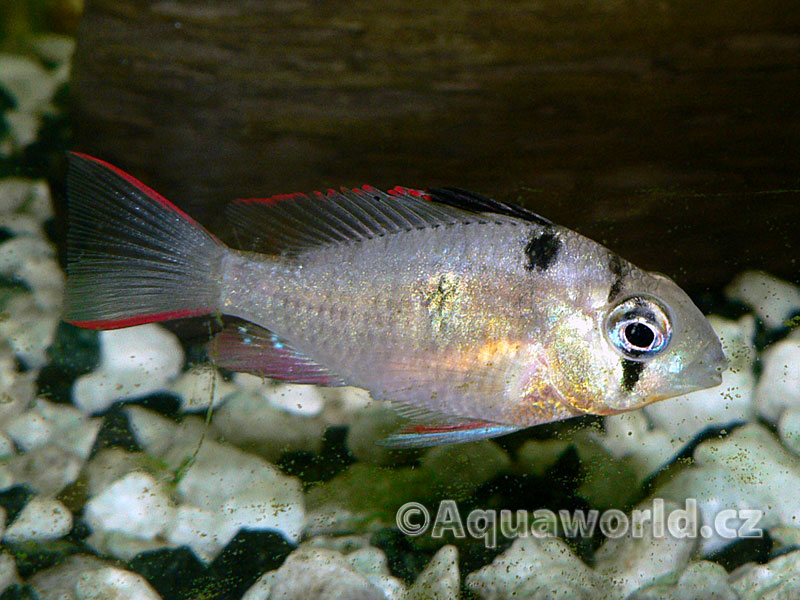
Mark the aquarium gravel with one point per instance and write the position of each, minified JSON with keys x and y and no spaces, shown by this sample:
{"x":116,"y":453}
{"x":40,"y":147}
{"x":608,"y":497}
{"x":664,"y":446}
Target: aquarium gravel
{"x":117,"y":481}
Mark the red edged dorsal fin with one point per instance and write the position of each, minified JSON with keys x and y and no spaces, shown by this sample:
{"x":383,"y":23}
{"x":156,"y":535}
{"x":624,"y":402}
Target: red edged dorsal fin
{"x":287,"y":224}
{"x":399,"y":191}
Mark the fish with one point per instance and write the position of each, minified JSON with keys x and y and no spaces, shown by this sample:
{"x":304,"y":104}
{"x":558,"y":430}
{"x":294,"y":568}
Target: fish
{"x":473,"y":317}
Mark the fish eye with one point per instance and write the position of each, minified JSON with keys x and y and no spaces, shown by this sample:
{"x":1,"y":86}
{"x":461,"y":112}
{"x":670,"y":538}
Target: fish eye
{"x":638,"y":327}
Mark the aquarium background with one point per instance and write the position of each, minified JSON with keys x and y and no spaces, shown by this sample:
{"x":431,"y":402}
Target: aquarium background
{"x":669,"y":131}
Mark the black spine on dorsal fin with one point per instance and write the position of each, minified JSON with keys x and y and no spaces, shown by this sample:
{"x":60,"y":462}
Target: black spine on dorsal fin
{"x":473,"y":202}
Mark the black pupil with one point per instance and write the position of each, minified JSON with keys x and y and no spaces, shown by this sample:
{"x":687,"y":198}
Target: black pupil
{"x":639,"y":335}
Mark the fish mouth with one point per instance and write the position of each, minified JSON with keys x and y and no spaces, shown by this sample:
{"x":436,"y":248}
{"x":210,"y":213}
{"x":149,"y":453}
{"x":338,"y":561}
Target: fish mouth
{"x":711,"y":380}
{"x":706,"y":371}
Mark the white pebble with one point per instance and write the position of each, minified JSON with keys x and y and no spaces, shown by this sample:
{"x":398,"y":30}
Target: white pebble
{"x":58,"y":582}
{"x":320,"y":574}
{"x":135,"y":504}
{"x":742,"y":470}
{"x":367,"y":428}
{"x":122,"y":545}
{"x":109,"y":465}
{"x":20,"y":224}
{"x":17,"y":391}
{"x":6,"y":446}
{"x":683,"y":417}
{"x":439,"y":580}
{"x":8,"y":373}
{"x":149,"y":349}
{"x":368,"y":559}
{"x":23,"y":127}
{"x":30,"y":430}
{"x":199,"y":529}
{"x":249,"y":421}
{"x":703,"y":579}
{"x":110,"y":583}
{"x":53,"y":47}
{"x":391,"y":587}
{"x":135,"y":362}
{"x":6,"y":478}
{"x":196,"y":387}
{"x":17,"y":193}
{"x":8,"y":571}
{"x":789,"y":429}
{"x":47,"y":469}
{"x":371,"y":562}
{"x":244,"y":490}
{"x":540,"y":562}
{"x":779,"y":385}
{"x":776,"y":580}
{"x":641,"y":557}
{"x":26,"y":81}
{"x":773,"y":300}
{"x":40,"y":519}
{"x":342,"y":404}
{"x":28,"y":329}
{"x":16,"y":252}
{"x":46,"y":279}
{"x":304,"y":400}
{"x":262,"y":509}
{"x":79,"y":438}
{"x":63,"y":425}
{"x":62,"y":416}
{"x":153,"y":432}
{"x":216,"y":472}
{"x":6,"y":146}
{"x":261,"y":588}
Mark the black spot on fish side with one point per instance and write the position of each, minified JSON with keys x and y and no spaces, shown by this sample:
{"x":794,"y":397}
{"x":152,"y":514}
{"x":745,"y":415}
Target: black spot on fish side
{"x":615,"y":266}
{"x":542,"y":251}
{"x":631,"y":372}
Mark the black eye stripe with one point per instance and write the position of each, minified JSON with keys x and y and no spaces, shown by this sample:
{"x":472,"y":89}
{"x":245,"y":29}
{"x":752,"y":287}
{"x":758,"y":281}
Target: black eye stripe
{"x":615,"y":266}
{"x":631,"y":373}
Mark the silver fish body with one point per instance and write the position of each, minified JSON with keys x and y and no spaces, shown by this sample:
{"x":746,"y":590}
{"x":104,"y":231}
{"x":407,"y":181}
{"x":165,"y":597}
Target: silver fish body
{"x":474,"y":317}
{"x":459,"y":322}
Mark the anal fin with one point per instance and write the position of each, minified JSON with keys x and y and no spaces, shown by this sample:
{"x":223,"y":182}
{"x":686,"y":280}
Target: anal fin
{"x":422,"y":436}
{"x":247,"y":348}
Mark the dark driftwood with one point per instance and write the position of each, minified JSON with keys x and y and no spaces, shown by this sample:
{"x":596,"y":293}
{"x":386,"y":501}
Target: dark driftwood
{"x":669,"y":129}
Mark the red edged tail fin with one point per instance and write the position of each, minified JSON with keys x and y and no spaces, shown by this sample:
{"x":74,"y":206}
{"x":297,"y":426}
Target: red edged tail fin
{"x":132,"y":256}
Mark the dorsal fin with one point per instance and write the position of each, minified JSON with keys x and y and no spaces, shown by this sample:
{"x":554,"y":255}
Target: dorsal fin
{"x":290,"y":222}
{"x":474,"y":202}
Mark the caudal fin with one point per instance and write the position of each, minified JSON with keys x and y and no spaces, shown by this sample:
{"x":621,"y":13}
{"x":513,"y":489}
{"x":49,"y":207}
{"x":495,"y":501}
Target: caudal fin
{"x":132,"y":256}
